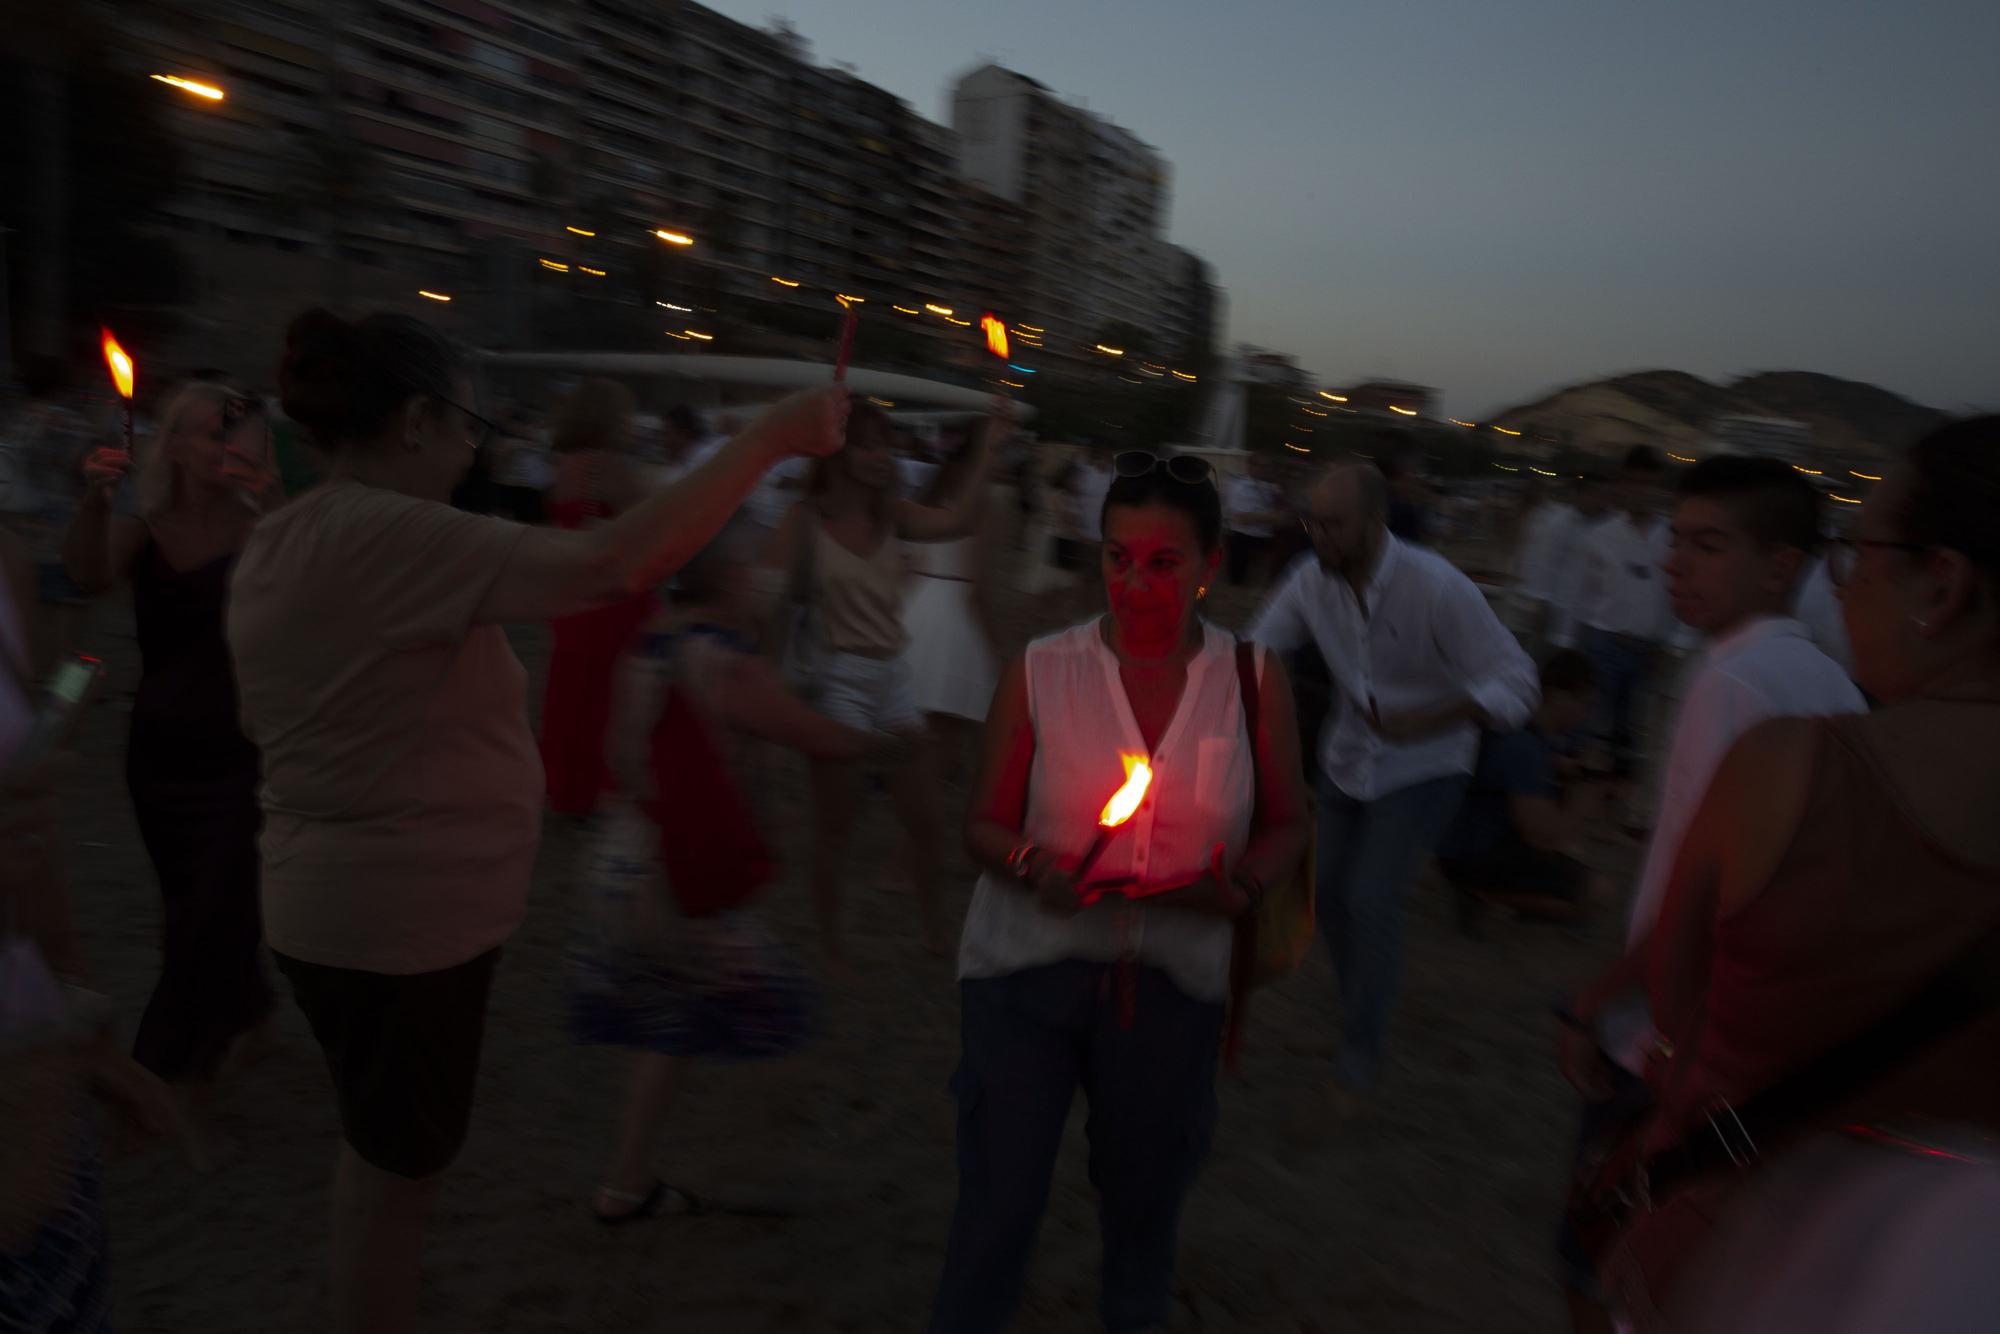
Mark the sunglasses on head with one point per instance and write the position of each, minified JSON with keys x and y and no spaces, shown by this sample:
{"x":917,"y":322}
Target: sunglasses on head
{"x":1187,"y":469}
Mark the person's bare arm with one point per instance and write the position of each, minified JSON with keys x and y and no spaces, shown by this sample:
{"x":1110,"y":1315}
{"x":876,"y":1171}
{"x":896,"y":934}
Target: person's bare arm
{"x":553,"y":572}
{"x":960,"y":513}
{"x":100,"y":546}
{"x":1734,"y":843}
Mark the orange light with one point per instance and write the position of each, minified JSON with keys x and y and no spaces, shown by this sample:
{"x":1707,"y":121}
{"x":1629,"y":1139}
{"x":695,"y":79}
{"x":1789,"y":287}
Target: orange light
{"x":1845,"y":500}
{"x":1810,"y":472}
{"x":783,"y":282}
{"x":1405,"y":412}
{"x":963,"y":324}
{"x":1183,"y":375}
{"x":699,"y":336}
{"x":429,"y":295}
{"x":1864,"y":476}
{"x":907,"y":310}
{"x":674,"y":238}
{"x":1504,"y":431}
{"x":1111,"y":351}
{"x":996,"y":334}
{"x":1333,"y":398}
{"x":207,"y":91}
{"x":1299,"y":449}
{"x":1125,"y":801}
{"x":936,"y":309}
{"x":119,"y":362}
{"x":553,"y":264}
{"x":849,"y":299}
{"x":579,"y":231}
{"x":1456,"y":422}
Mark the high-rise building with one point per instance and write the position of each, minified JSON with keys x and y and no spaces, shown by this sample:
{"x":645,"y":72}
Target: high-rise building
{"x":1095,"y":202}
{"x":508,"y":152}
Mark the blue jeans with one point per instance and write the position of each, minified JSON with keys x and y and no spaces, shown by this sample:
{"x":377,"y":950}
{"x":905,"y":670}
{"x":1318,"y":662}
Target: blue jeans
{"x":1369,"y":852}
{"x":1622,"y":664}
{"x":1030,"y":1039}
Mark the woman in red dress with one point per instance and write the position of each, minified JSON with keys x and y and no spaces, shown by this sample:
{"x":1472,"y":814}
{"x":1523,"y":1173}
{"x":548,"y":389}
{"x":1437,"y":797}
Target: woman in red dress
{"x":595,"y":480}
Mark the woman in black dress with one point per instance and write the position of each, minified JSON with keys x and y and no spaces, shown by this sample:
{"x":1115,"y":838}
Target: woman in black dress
{"x":203,"y":480}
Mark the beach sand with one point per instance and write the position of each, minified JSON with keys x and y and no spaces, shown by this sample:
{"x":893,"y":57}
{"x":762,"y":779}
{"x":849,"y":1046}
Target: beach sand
{"x":1430,"y":1207}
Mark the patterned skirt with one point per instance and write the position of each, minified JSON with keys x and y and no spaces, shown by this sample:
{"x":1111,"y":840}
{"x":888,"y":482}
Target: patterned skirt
{"x":648,"y":977}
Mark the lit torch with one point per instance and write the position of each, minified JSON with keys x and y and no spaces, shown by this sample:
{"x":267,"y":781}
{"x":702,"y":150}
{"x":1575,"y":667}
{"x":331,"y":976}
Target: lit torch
{"x":848,"y":322}
{"x":119,"y":362}
{"x":1123,"y":805}
{"x":996,"y":334}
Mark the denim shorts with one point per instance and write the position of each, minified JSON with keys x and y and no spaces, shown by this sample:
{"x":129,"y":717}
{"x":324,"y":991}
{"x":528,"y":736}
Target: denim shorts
{"x":873,"y":694}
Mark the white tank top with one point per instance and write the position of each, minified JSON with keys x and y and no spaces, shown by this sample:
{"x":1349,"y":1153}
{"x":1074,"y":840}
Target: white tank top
{"x":1204,"y":785}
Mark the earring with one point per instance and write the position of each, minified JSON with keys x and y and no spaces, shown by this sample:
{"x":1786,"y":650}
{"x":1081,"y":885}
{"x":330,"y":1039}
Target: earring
{"x":1201,"y":592}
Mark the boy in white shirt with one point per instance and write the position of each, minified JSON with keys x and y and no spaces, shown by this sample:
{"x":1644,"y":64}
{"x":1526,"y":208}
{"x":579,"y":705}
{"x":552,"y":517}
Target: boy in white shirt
{"x":1742,"y":537}
{"x":1621,"y":600}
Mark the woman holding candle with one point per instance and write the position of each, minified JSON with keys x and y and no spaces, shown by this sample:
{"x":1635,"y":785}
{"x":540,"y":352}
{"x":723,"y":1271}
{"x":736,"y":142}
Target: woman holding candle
{"x":841,"y":549}
{"x":204,"y":476}
{"x":1124,"y":997}
{"x":402,"y":791}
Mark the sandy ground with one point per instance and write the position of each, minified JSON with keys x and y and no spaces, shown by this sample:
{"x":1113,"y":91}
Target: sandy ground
{"x":1430,"y":1209}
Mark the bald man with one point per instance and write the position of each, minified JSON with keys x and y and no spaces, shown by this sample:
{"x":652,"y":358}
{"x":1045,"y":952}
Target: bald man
{"x":1419,"y":665}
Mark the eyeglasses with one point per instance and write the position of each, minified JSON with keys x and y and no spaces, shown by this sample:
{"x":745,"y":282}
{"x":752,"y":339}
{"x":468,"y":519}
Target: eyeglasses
{"x":1843,"y":554}
{"x":1187,"y":469}
{"x":487,"y":429}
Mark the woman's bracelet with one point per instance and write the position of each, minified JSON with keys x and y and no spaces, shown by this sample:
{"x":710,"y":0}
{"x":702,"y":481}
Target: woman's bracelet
{"x":1017,"y":860}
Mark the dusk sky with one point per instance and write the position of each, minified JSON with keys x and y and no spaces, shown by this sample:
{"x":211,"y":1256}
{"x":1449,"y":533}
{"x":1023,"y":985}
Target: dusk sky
{"x":1498,"y":197}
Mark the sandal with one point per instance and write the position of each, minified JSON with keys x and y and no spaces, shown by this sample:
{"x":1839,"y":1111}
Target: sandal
{"x":661,"y":1199}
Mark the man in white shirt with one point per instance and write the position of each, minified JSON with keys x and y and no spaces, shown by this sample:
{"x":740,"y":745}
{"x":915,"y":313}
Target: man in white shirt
{"x":1545,"y":564}
{"x":1254,"y":507}
{"x":1419,"y":664}
{"x":1742,"y":536}
{"x":1621,"y":601}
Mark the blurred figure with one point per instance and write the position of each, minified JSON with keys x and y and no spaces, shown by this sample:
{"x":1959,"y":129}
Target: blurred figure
{"x":672,"y":985}
{"x":1514,"y":843}
{"x":951,"y":619}
{"x":1401,"y":459}
{"x":1621,"y":601}
{"x":841,"y":550}
{"x":1059,"y":990}
{"x":595,"y":481}
{"x":402,"y":792}
{"x":1544,"y":554}
{"x":59,"y":1063}
{"x":1419,"y":664}
{"x":1255,"y":509}
{"x":42,"y":451}
{"x":1567,"y":566}
{"x":522,"y":469}
{"x":203,"y":479}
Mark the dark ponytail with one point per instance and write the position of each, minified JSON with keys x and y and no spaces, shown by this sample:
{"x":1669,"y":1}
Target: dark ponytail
{"x":344,"y":381}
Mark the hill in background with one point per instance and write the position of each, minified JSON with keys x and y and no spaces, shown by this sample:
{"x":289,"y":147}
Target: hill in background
{"x":1674,"y":410}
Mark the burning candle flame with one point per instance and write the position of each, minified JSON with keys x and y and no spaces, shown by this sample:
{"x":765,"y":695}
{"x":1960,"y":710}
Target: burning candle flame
{"x":120,"y":364}
{"x":996,"y":334}
{"x":1125,"y":801}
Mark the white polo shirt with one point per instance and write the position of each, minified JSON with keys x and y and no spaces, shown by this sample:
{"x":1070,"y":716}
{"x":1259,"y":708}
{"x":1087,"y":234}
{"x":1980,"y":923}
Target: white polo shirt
{"x":1765,"y":669}
{"x":1424,"y":638}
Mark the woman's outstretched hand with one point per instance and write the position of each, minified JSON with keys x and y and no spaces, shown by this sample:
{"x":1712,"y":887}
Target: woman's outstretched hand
{"x":811,"y":422}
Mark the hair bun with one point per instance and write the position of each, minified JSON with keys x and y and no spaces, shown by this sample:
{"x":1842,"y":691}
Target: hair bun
{"x":316,"y":377}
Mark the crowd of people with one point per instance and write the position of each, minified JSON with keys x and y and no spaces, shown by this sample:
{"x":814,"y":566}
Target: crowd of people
{"x":331,"y":760}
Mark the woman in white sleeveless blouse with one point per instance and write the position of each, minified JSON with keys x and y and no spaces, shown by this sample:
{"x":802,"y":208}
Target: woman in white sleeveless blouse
{"x":1123,"y":997}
